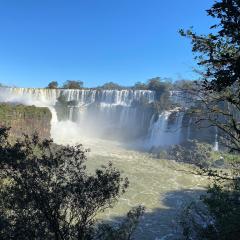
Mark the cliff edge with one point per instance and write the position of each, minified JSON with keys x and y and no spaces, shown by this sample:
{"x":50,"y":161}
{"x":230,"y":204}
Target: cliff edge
{"x":25,"y":119}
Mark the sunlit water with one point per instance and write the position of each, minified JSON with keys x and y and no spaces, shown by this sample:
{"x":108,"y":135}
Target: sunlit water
{"x":160,"y":185}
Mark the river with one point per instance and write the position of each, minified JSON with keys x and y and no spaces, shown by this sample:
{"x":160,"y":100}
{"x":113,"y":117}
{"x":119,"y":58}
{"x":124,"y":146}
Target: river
{"x":160,"y":185}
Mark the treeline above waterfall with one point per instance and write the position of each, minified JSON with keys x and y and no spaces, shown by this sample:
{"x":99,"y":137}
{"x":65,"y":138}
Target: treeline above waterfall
{"x":156,"y":114}
{"x":161,"y":87}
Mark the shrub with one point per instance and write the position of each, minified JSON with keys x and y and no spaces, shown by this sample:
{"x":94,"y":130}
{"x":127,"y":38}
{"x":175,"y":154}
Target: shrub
{"x":192,"y":152}
{"x":50,"y":194}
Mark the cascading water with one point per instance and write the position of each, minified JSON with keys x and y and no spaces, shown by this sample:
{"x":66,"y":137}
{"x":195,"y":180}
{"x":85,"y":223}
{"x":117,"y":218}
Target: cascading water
{"x":216,"y":145}
{"x":165,"y":132}
{"x":114,"y":114}
{"x":93,"y":112}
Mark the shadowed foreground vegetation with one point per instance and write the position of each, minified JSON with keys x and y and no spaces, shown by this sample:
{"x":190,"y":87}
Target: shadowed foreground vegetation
{"x":46,"y":193}
{"x":218,"y":57}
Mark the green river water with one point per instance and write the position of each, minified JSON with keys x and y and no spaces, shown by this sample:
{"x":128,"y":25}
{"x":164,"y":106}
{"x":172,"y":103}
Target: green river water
{"x":160,"y":185}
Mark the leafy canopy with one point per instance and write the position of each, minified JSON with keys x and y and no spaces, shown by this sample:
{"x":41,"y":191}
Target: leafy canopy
{"x":47,"y":193}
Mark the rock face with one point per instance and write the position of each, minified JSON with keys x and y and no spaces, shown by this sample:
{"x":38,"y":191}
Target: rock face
{"x":25,"y":120}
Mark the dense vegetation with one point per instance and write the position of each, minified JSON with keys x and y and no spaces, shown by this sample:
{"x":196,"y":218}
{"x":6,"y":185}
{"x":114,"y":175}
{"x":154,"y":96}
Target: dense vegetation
{"x":7,"y":111}
{"x":218,"y":56}
{"x":53,"y":85}
{"x":25,"y":119}
{"x":69,"y":84}
{"x":192,"y":152}
{"x":46,"y":193}
{"x":162,"y":100}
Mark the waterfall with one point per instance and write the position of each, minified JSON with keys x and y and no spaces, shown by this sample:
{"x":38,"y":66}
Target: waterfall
{"x":115,"y":114}
{"x":94,"y":111}
{"x":162,"y":132}
{"x":82,"y":97}
{"x":216,"y":147}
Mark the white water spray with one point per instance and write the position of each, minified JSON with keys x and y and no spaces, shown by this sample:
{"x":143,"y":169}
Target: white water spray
{"x":216,"y":145}
{"x":164,"y":133}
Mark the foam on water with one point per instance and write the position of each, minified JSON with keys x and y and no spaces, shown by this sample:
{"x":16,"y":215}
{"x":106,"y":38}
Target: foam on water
{"x":159,"y":185}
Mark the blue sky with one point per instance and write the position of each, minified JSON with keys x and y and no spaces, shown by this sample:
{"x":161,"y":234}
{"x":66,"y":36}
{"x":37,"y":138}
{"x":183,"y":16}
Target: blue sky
{"x":97,"y":41}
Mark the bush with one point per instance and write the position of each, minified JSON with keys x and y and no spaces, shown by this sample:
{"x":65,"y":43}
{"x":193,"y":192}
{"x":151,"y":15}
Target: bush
{"x":50,"y":194}
{"x":140,"y":86}
{"x":53,"y":85}
{"x":111,"y":86}
{"x":192,"y":152}
{"x":73,"y":84}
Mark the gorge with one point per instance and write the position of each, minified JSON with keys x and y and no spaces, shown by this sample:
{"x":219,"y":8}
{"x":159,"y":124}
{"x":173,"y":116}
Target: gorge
{"x":112,"y":123}
{"x":125,"y":115}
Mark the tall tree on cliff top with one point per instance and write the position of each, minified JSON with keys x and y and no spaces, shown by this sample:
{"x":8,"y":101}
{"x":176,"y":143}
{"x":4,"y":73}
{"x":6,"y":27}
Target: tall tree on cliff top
{"x":53,"y":85}
{"x":218,"y":57}
{"x":73,"y":84}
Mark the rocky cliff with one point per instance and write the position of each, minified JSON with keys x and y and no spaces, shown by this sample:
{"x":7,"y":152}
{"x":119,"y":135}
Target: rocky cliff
{"x":25,"y":119}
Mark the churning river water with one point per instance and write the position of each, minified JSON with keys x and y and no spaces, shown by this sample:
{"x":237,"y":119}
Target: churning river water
{"x":160,"y":185}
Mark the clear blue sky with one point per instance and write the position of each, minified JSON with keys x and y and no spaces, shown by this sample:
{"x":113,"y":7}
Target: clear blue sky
{"x":97,"y":41}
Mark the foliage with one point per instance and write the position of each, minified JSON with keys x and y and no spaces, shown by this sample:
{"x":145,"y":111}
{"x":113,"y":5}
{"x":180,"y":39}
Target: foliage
{"x":73,"y":84}
{"x":126,"y":228}
{"x":62,"y":100}
{"x":62,"y":107}
{"x":162,"y":100}
{"x":160,"y":87}
{"x":111,"y":86}
{"x":162,"y":92}
{"x":50,"y":194}
{"x":183,"y":85}
{"x":192,"y":152}
{"x":53,"y":85}
{"x":218,"y":55}
{"x":220,"y":214}
{"x":11,"y":111}
{"x":140,"y":86}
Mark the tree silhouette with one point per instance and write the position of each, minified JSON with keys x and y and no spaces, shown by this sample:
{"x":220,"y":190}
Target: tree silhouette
{"x":46,"y":192}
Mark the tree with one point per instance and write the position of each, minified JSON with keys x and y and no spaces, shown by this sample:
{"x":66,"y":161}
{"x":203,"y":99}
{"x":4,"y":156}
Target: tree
{"x":218,"y":56}
{"x":46,"y":192}
{"x":192,"y":152}
{"x":183,"y":85}
{"x":154,"y":84}
{"x":219,"y":52}
{"x":53,"y":85}
{"x":73,"y":84}
{"x":140,"y":86}
{"x":111,"y":86}
{"x":160,"y":87}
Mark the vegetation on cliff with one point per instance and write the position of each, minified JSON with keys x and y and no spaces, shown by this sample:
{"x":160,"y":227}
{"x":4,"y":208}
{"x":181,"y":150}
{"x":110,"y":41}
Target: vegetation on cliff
{"x":25,"y":119}
{"x":53,"y":85}
{"x":218,"y":56}
{"x":9,"y":111}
